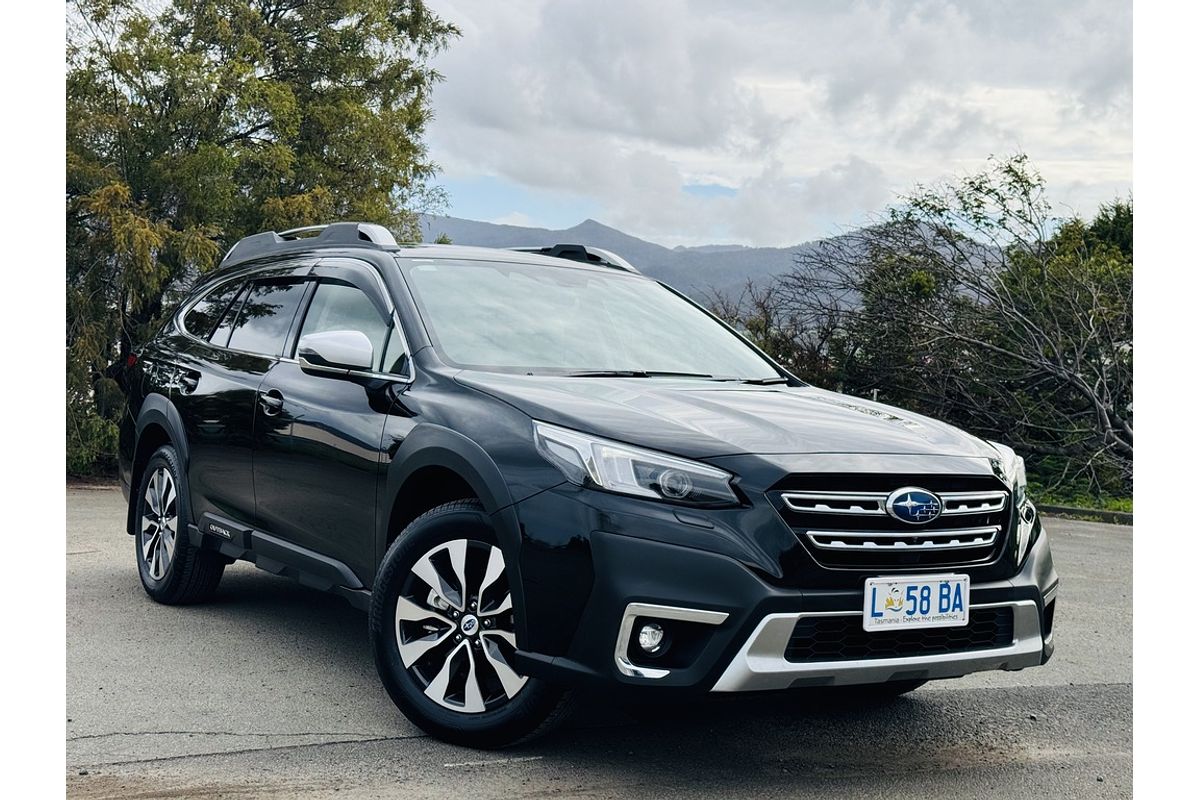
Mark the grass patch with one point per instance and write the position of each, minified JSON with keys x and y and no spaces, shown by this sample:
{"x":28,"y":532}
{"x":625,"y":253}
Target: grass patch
{"x":1103,"y":502}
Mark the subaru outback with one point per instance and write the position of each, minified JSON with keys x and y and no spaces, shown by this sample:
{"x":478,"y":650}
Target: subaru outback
{"x":538,"y":471}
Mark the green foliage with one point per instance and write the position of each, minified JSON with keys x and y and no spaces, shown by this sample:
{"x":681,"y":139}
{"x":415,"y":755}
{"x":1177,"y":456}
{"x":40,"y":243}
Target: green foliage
{"x":970,"y":302}
{"x":202,"y":121}
{"x":1078,"y":498}
{"x":1113,"y":226}
{"x":91,"y":442}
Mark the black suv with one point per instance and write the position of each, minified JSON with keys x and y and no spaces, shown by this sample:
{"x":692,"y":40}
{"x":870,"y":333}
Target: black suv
{"x":538,"y":470}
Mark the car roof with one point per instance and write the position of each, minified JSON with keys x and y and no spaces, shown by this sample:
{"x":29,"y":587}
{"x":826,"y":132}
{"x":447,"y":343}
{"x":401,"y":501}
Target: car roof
{"x":367,"y":237}
{"x":458,"y":252}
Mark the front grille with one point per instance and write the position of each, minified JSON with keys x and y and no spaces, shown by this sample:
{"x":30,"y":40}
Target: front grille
{"x":872,"y":503}
{"x":842,"y":638}
{"x":901,"y":541}
{"x":843,"y":522}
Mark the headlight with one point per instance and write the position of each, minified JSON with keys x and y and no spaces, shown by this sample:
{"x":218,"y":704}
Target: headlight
{"x":1012,"y":472}
{"x":591,"y":461}
{"x":1011,"y":469}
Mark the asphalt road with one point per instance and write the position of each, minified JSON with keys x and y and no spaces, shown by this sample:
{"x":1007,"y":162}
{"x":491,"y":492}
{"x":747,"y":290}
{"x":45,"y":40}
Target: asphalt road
{"x":270,"y":691}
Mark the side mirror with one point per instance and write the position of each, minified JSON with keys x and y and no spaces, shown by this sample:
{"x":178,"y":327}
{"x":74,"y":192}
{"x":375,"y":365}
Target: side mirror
{"x":336,"y":351}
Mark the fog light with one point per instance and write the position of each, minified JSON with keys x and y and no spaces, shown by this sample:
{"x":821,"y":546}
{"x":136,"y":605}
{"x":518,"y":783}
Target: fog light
{"x":650,"y":637}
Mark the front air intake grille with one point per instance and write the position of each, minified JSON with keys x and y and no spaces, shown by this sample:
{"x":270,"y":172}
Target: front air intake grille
{"x":843,"y":521}
{"x":842,"y":638}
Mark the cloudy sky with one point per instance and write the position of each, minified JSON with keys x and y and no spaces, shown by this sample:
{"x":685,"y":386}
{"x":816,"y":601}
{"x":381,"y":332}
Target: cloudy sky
{"x":767,"y":122}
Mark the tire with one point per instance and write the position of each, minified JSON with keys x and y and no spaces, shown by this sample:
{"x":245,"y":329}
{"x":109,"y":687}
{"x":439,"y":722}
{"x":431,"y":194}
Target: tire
{"x":431,"y":642}
{"x":173,"y":571}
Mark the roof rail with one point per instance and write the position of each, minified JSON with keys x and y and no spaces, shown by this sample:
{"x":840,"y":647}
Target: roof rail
{"x":339,"y":233}
{"x":582,"y":252}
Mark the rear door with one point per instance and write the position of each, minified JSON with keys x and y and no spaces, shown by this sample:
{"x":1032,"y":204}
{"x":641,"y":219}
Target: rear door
{"x":218,"y":390}
{"x":196,"y":376}
{"x":213,"y":389}
{"x":214,"y":393}
{"x":316,"y":483}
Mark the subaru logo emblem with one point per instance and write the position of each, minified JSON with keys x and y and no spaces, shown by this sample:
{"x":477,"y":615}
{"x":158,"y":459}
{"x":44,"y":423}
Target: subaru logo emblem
{"x":914,"y":506}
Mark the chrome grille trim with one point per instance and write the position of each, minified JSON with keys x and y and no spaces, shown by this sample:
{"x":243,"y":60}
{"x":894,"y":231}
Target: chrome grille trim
{"x":954,"y":503}
{"x":928,"y":540}
{"x":872,"y":504}
{"x":860,"y":503}
{"x":842,"y":520}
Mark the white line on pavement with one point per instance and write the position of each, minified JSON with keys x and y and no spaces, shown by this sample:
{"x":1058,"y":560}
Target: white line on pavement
{"x":493,"y":762}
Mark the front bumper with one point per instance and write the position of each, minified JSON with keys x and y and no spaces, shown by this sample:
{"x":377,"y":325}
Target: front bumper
{"x":583,"y":595}
{"x":760,"y":663}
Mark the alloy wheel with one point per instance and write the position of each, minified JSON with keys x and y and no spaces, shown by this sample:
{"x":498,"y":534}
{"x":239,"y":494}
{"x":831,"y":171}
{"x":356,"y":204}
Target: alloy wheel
{"x":454,"y":627}
{"x":160,"y":518}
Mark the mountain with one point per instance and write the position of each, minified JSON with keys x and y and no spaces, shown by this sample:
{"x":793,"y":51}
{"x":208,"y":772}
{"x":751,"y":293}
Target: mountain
{"x":711,"y":248}
{"x":694,"y":270}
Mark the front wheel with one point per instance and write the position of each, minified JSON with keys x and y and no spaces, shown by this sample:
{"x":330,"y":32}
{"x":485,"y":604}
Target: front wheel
{"x":442,"y":632}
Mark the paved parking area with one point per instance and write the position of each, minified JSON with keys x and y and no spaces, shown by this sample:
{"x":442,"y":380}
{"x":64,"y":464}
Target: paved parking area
{"x":270,"y":691}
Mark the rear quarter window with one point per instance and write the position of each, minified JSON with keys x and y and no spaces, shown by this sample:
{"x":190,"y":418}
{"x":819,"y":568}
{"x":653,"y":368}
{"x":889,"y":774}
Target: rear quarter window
{"x":202,"y":316}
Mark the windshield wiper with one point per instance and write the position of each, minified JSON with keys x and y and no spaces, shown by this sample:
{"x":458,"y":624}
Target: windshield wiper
{"x":610,"y":373}
{"x":662,"y":374}
{"x":651,"y":373}
{"x":636,"y":373}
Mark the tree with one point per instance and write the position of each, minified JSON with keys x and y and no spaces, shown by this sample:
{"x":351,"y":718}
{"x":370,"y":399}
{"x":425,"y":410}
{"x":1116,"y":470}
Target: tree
{"x":763,"y":314}
{"x":192,"y":126}
{"x":971,"y":302}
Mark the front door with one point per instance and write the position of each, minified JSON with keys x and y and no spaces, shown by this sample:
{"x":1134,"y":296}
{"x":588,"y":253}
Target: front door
{"x":318,"y":458}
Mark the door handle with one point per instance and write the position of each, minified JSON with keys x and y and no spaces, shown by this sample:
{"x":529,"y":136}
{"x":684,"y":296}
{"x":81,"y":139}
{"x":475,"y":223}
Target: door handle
{"x":271,"y":402}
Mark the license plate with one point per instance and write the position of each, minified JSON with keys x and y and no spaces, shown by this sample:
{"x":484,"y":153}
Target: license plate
{"x":930,"y":601}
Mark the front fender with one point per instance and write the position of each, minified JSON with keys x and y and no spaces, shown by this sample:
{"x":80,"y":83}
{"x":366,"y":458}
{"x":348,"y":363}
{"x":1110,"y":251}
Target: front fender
{"x":431,"y":445}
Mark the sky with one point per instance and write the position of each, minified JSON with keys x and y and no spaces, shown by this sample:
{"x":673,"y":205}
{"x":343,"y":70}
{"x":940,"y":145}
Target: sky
{"x":770,"y":123}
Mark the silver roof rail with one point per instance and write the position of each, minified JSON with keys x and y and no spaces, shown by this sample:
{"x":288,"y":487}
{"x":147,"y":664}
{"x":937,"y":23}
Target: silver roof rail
{"x":295,"y":233}
{"x":339,"y":233}
{"x":584,"y":253}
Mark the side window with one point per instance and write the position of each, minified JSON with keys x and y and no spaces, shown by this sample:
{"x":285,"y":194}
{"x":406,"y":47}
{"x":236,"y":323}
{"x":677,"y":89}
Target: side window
{"x":266,"y":315}
{"x":220,"y":334}
{"x":395,"y":359}
{"x":202,"y":317}
{"x":339,"y":307}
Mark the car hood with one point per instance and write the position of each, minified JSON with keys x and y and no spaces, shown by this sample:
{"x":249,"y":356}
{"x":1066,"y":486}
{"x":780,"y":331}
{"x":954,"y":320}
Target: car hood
{"x":705,"y":419}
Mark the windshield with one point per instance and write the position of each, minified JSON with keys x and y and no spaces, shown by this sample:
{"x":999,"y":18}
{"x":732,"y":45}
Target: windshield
{"x":549,"y":319}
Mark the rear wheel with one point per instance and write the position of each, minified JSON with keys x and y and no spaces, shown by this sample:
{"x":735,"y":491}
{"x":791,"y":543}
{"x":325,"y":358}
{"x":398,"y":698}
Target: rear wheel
{"x":444,"y":638}
{"x":172,"y":570}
